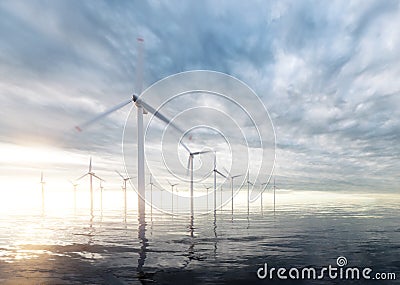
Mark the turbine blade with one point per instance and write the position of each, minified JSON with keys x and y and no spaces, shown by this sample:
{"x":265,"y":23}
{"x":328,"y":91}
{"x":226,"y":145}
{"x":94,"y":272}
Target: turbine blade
{"x":201,"y":152}
{"x":185,"y":146}
{"x":139,"y":66}
{"x":188,"y":166}
{"x":215,"y":160}
{"x":120,"y":174}
{"x":156,"y":113}
{"x":160,"y":116}
{"x":82,"y":176}
{"x":220,"y":173}
{"x":81,"y":127}
{"x":236,"y":175}
{"x":90,"y":164}
{"x":226,"y":170}
{"x":98,"y":177}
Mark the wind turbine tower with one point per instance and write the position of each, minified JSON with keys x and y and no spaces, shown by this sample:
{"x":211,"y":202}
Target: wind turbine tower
{"x":42,"y":182}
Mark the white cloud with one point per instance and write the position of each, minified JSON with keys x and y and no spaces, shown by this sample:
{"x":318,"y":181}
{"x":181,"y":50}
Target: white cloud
{"x":328,"y":73}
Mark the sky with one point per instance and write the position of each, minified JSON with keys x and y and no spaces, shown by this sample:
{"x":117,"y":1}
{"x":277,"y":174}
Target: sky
{"x":326,"y":71}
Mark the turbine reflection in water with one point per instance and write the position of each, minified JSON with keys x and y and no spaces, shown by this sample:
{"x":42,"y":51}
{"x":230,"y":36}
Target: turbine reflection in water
{"x":143,"y":242}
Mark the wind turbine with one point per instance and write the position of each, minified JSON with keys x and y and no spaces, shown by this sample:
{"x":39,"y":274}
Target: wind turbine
{"x":142,"y":108}
{"x":232,"y":178}
{"x":151,"y":195}
{"x":207,"y":188}
{"x":125,"y":179}
{"x":221,"y":197}
{"x":42,"y":182}
{"x":261,"y":196}
{"x":190,"y":168}
{"x":248,"y":192}
{"x":216,"y":171}
{"x":177,"y":199}
{"x":74,"y":184}
{"x":274,"y":187}
{"x":91,"y":175}
{"x":172,"y":192}
{"x":101,"y":197}
{"x":160,"y":189}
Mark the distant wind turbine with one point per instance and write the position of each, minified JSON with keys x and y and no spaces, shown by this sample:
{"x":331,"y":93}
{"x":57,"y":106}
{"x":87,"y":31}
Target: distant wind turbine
{"x":248,"y":192}
{"x":221,"y":197}
{"x":172,"y":192}
{"x":261,"y":196}
{"x":190,"y":168}
{"x":274,"y":187}
{"x":151,"y":195}
{"x":101,"y":196}
{"x":124,"y":179}
{"x":91,"y":175}
{"x":216,"y":171}
{"x":42,"y":182}
{"x":232,"y":177}
{"x":207,"y":188}
{"x":74,"y":184}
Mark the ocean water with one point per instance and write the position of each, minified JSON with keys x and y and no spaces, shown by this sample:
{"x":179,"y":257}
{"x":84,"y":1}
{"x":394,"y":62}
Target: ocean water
{"x":307,"y":230}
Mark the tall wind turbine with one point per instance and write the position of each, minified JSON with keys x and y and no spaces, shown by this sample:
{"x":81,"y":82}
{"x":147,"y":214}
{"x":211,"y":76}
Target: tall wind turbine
{"x":91,"y":175}
{"x":42,"y":182}
{"x":142,"y":107}
{"x":172,"y":192}
{"x":190,"y":168}
{"x":124,"y":179}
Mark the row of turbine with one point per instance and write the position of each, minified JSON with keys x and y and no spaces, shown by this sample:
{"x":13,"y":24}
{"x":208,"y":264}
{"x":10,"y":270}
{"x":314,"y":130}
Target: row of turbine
{"x":144,"y":108}
{"x":125,"y":179}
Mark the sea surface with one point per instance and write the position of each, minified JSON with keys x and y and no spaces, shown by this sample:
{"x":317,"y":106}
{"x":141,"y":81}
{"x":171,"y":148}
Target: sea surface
{"x":308,"y":229}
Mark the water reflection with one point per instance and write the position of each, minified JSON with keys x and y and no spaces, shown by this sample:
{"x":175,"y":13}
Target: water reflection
{"x":191,"y":253}
{"x":91,"y":232}
{"x":191,"y":249}
{"x":143,"y":242}
{"x":215,"y":234}
{"x":307,"y":233}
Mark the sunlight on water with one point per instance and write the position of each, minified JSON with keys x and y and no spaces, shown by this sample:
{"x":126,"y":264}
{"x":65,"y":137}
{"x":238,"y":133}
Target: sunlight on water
{"x":307,"y":228}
